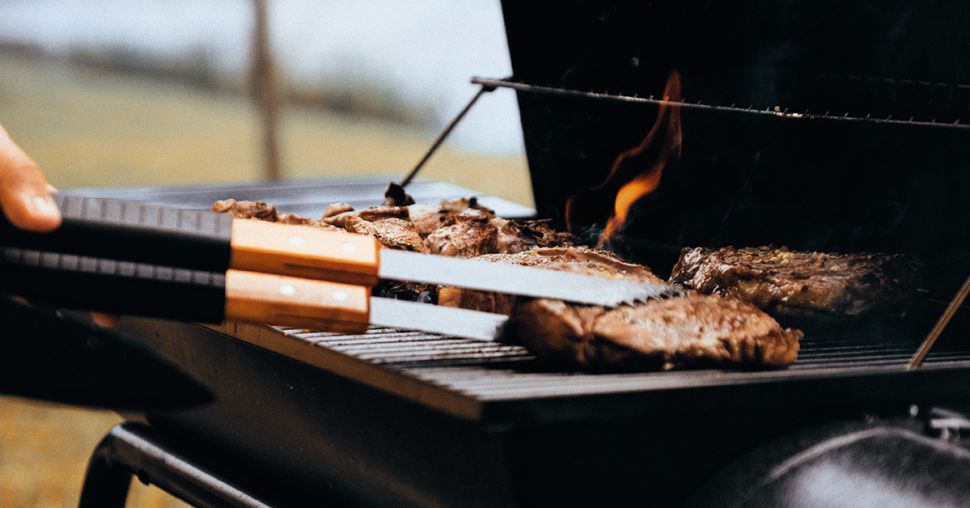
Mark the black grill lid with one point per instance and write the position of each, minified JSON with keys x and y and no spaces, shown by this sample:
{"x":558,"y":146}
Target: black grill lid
{"x":748,"y":179}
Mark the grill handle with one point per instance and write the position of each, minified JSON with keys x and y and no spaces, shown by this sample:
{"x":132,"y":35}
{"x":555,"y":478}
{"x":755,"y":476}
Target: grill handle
{"x":86,"y":283}
{"x":192,"y":239}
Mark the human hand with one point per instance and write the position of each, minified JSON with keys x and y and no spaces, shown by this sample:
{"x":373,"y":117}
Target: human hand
{"x":24,"y":194}
{"x":25,"y":198}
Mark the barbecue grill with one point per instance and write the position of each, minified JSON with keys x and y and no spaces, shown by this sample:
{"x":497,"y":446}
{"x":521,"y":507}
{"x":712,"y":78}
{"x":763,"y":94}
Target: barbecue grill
{"x":831,"y":127}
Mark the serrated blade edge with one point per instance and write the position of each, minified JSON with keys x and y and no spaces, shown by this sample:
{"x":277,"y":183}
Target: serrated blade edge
{"x":515,"y":280}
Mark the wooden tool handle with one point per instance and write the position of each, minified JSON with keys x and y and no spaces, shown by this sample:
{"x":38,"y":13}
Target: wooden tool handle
{"x":291,"y":301}
{"x":304,"y":251}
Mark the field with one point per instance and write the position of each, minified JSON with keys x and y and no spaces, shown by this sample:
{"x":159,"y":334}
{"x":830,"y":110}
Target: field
{"x":89,"y":128}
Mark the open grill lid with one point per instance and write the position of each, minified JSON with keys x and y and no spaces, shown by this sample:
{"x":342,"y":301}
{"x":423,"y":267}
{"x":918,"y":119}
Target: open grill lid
{"x":762,"y":161}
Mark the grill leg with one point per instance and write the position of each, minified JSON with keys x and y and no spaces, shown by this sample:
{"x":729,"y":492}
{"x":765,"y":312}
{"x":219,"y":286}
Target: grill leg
{"x":133,"y":449}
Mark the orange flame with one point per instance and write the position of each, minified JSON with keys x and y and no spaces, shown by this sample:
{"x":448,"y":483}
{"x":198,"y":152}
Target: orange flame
{"x":668,"y":123}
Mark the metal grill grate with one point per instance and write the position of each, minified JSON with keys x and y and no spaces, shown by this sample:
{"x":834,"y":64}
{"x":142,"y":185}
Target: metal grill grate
{"x":462,"y":376}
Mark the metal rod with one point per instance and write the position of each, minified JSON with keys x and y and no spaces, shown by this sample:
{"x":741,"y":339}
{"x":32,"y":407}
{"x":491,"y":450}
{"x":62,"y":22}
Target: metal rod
{"x":776,"y":112}
{"x":941,"y":324}
{"x":444,"y":134}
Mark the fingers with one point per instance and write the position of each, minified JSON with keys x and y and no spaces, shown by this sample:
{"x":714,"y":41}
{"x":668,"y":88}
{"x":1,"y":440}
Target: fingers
{"x":24,"y":196}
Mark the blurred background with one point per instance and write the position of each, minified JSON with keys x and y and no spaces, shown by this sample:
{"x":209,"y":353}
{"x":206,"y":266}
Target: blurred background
{"x":168,"y":92}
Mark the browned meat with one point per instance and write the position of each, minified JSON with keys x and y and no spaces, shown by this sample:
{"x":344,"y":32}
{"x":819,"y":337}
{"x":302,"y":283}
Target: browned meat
{"x":662,"y":334}
{"x":464,"y":236}
{"x":794,"y":283}
{"x":520,"y":236}
{"x":391,"y":233}
{"x":339,"y":213}
{"x":428,"y":218}
{"x":260,"y":210}
{"x":696,"y":330}
{"x":574,"y":259}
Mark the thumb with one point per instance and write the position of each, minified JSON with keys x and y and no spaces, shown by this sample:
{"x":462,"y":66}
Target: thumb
{"x":24,"y":197}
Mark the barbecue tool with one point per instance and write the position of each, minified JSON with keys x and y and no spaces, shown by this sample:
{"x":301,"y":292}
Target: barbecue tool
{"x":210,"y":267}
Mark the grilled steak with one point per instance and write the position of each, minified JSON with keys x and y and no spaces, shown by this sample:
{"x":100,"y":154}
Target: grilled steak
{"x":695,"y":330}
{"x":464,"y":236}
{"x":575,"y":259}
{"x":259,"y":210}
{"x":391,"y":233}
{"x":791,"y":283}
{"x":661,"y":334}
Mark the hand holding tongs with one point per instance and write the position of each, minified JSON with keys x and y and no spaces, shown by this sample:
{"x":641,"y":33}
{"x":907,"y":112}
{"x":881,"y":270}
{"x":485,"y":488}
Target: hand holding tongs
{"x":132,"y":258}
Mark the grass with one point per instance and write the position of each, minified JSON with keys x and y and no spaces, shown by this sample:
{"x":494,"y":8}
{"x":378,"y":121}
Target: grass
{"x":91,"y":129}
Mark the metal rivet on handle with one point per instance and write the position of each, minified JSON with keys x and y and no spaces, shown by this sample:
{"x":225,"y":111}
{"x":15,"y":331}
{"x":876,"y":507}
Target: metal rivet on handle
{"x":339,"y":296}
{"x":287,"y":290}
{"x":297,"y":241}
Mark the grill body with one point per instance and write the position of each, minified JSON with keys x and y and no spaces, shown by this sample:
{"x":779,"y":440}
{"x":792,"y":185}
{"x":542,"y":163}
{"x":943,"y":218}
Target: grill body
{"x":403,"y":418}
{"x":398,"y":418}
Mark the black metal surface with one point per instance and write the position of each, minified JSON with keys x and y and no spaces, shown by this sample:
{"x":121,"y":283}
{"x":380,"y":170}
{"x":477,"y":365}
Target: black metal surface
{"x":366,"y":446}
{"x":104,"y":285}
{"x":874,"y":463}
{"x":128,"y":231}
{"x":64,"y":358}
{"x":840,"y":363}
{"x":409,"y":419}
{"x":810,"y":184}
{"x":133,"y":449}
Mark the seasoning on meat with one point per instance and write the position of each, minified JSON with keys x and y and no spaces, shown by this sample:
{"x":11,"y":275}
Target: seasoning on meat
{"x":695,"y":330}
{"x":792,"y":283}
{"x":259,"y":210}
{"x":660,"y":334}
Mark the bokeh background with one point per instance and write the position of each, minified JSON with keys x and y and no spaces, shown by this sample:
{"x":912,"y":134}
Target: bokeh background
{"x":162,"y":92}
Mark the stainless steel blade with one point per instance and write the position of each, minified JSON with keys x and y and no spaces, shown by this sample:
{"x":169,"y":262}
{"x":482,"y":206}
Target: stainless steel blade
{"x":426,"y":317}
{"x":516,"y":280}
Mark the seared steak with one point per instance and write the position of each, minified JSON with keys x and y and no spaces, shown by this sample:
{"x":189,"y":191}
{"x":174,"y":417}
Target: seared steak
{"x":464,"y":236}
{"x":794,"y":283}
{"x":391,"y":233}
{"x":259,"y":210}
{"x":695,"y":330}
{"x":661,"y":334}
{"x":575,"y":259}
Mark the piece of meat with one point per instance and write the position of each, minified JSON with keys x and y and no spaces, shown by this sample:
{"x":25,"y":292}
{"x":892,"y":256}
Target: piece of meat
{"x":695,"y":330}
{"x":259,"y":210}
{"x":392,"y":233}
{"x":388,"y":224}
{"x":574,"y":259}
{"x":520,"y":236}
{"x":791,"y":283}
{"x":464,"y":236}
{"x":428,"y":218}
{"x":338,"y":214}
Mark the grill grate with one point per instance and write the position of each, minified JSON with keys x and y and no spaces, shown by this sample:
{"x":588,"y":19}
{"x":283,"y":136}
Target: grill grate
{"x":460,"y":376}
{"x":499,"y":383}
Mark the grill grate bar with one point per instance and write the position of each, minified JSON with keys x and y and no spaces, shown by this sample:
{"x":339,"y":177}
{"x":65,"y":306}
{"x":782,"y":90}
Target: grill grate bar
{"x":490,"y":370}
